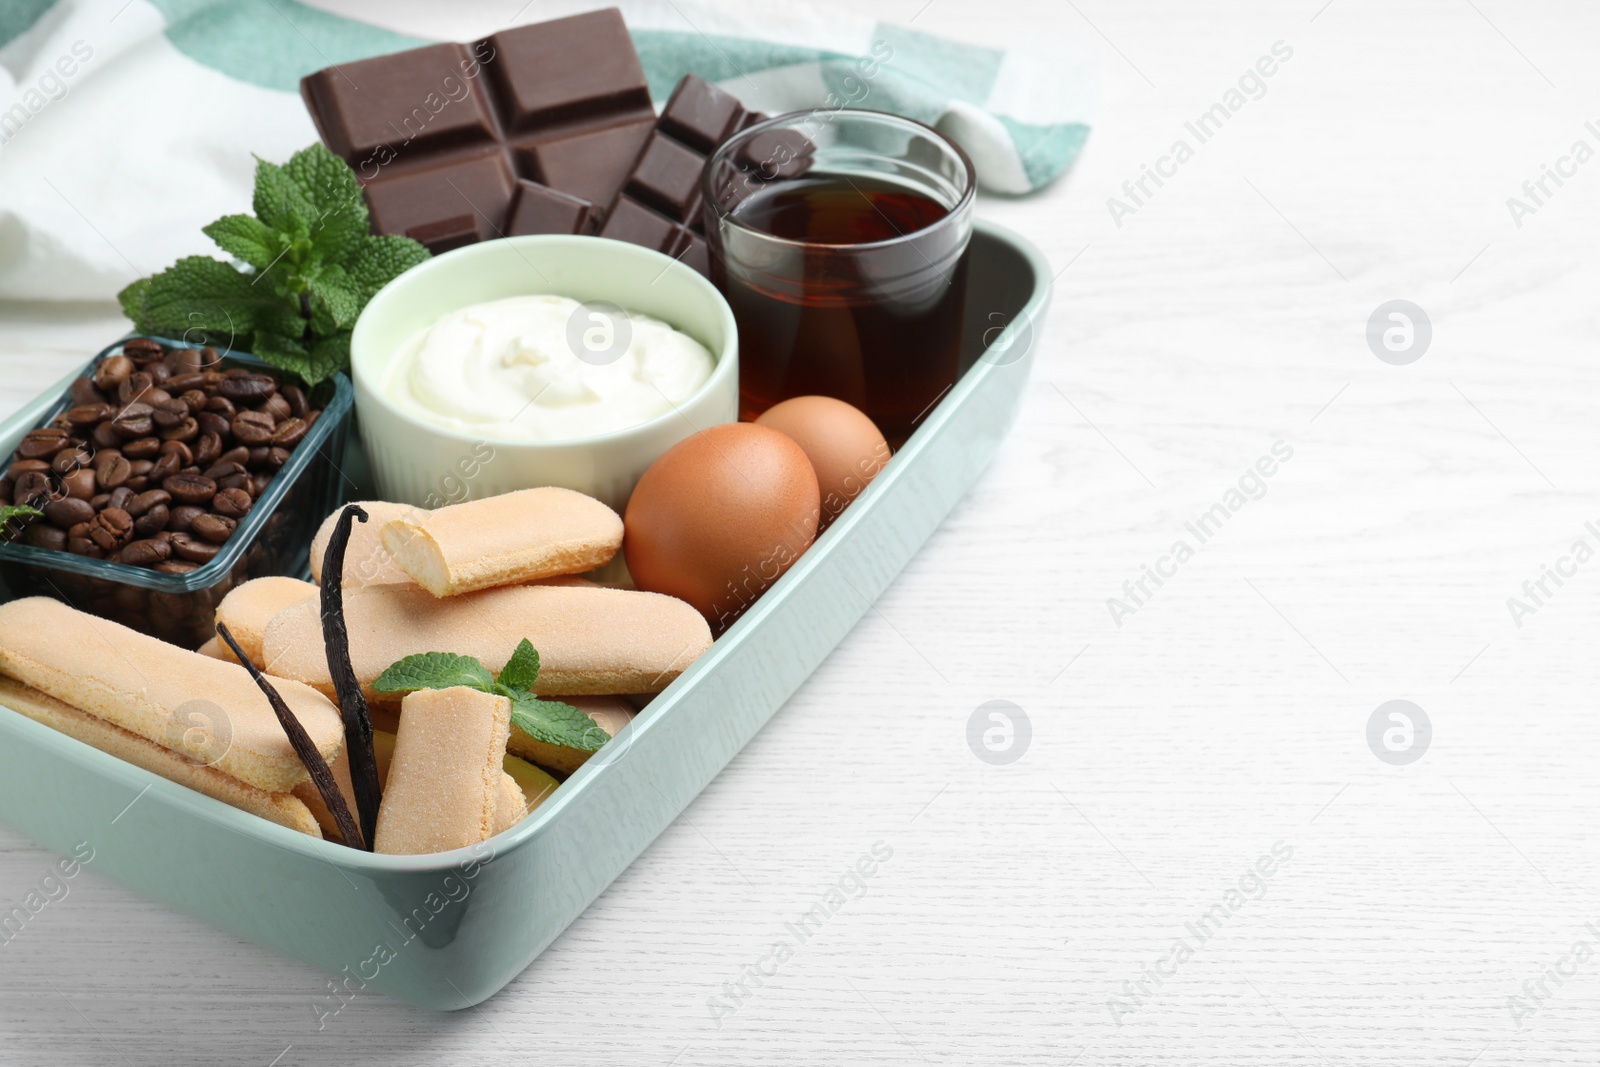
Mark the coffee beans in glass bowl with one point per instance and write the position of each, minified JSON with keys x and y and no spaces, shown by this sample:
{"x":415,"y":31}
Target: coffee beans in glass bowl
{"x":166,"y":474}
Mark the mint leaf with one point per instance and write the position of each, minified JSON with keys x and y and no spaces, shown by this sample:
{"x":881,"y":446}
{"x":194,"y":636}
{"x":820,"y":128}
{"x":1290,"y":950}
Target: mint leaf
{"x":522,"y":670}
{"x":290,"y":355}
{"x":381,"y":259}
{"x":132,"y":299}
{"x":554,"y":722}
{"x":281,"y":203}
{"x":11,"y":513}
{"x":434,"y":670}
{"x":335,"y":301}
{"x":200,"y":295}
{"x":330,"y":355}
{"x":246,"y":237}
{"x":339,"y":226}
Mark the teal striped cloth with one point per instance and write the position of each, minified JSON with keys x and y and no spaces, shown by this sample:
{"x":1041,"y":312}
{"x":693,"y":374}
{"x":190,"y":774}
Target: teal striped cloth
{"x":173,"y":97}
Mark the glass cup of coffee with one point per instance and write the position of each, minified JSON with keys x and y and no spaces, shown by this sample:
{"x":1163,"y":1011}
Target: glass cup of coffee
{"x":840,"y":240}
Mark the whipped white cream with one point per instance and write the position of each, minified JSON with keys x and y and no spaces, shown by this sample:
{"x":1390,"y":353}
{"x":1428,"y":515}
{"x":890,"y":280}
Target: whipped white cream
{"x":544,"y":368}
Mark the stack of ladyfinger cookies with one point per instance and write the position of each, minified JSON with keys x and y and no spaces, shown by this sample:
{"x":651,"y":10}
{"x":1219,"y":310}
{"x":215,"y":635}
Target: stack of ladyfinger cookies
{"x":473,"y":579}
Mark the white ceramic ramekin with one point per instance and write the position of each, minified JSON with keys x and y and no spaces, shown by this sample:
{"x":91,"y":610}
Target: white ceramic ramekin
{"x":416,"y":462}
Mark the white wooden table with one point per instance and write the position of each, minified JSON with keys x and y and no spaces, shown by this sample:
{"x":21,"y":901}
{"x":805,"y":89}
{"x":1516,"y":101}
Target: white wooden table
{"x":1226,"y":716}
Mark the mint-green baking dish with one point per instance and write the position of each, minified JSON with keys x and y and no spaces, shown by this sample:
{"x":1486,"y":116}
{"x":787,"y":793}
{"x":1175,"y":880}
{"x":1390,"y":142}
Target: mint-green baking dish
{"x":449,"y":930}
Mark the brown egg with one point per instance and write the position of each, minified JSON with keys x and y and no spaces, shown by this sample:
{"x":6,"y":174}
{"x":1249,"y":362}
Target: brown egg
{"x":719,"y":517}
{"x":845,"y":447}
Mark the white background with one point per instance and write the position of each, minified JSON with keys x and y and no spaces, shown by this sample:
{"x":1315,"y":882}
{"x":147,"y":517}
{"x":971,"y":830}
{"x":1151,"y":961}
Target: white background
{"x":1228,"y":713}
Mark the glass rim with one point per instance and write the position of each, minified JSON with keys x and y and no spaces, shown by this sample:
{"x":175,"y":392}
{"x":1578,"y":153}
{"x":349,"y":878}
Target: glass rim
{"x":791,"y":118}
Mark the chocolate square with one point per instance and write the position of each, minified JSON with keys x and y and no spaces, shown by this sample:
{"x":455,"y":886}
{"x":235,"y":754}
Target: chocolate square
{"x":540,"y":209}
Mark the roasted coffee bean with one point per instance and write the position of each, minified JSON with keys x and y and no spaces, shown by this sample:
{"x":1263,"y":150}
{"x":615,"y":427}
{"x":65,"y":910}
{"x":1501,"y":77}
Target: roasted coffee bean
{"x":134,"y":390}
{"x":142,"y":448}
{"x":78,"y":529}
{"x":105,"y":436}
{"x":82,"y":546}
{"x":214,"y":528}
{"x":252,"y":427}
{"x":290,"y":433}
{"x":120,"y":498}
{"x":167,"y":465}
{"x":218,"y":471}
{"x":152,"y":522}
{"x":142,"y":348}
{"x":175,"y":566}
{"x":112,"y":372}
{"x":89,"y":414}
{"x":68,"y":511}
{"x":70,"y":459}
{"x":193,"y":549}
{"x":234,"y":481}
{"x":146,"y":552}
{"x":188,"y":384}
{"x":258,"y":456}
{"x":182,"y":517}
{"x":221,"y":405}
{"x":180,"y":449}
{"x":240,"y":455}
{"x":312,"y":416}
{"x":42,"y":444}
{"x":147,"y":500}
{"x":140,"y":468}
{"x":190,"y":488}
{"x":247,"y":388}
{"x":138,"y":483}
{"x":210,"y":359}
{"x":195,"y":399}
{"x":79,"y":483}
{"x":135,"y":420}
{"x":111,"y":528}
{"x":210,"y":422}
{"x":278,"y":407}
{"x":187,"y":430}
{"x":298,"y":405}
{"x":84,"y":391}
{"x":159,"y":372}
{"x":233,"y":503}
{"x":26,"y":466}
{"x":111,"y":469}
{"x":99,"y":500}
{"x":206,"y":449}
{"x":43,"y":535}
{"x":259,"y":483}
{"x":31,"y":488}
{"x":170,"y":412}
{"x":277,"y":456}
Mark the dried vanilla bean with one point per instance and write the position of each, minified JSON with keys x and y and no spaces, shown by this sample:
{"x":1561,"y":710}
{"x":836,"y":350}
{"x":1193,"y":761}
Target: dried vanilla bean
{"x":352,"y":703}
{"x":321,"y":773}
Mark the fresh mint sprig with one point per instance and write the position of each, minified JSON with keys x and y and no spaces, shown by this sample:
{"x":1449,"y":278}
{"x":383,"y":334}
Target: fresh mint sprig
{"x":305,"y":264}
{"x":550,"y":721}
{"x":10,"y":514}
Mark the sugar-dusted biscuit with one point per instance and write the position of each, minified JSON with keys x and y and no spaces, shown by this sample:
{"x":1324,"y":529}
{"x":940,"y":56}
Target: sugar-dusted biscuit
{"x":445,"y":779}
{"x":590,"y":639}
{"x":504,"y":540}
{"x":366,"y":561}
{"x":164,"y":693}
{"x":609,"y":713}
{"x":510,"y":805}
{"x":217,"y":650}
{"x":282,"y":808}
{"x":248,"y":608}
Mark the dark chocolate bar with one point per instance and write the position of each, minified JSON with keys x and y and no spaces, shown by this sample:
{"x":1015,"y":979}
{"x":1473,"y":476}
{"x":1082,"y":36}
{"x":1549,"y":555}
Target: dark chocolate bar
{"x":531,"y":130}
{"x":659,"y":206}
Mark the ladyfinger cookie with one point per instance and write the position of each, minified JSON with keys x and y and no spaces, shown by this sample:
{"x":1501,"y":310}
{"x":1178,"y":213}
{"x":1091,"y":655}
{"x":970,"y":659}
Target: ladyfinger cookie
{"x":504,"y":540}
{"x":159,"y":691}
{"x":590,"y":639}
{"x":383,"y":753}
{"x":445,"y":778}
{"x":366,"y":561}
{"x":282,"y":808}
{"x":248,"y":608}
{"x":610,"y":713}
